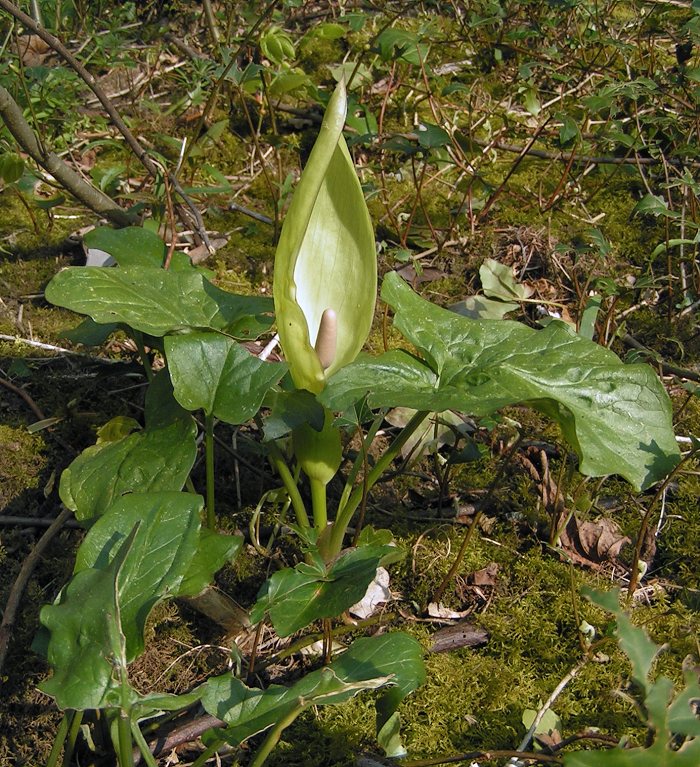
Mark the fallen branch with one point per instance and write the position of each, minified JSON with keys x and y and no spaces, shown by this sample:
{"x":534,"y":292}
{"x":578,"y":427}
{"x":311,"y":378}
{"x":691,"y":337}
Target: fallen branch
{"x":13,"y":601}
{"x":135,"y":146}
{"x":91,"y":197}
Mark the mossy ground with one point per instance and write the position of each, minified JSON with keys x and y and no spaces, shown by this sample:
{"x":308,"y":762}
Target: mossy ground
{"x":473,"y":698}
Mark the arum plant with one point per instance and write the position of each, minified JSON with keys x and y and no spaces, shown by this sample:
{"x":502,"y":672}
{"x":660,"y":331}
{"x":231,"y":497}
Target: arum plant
{"x":128,"y":488}
{"x":325,"y":287}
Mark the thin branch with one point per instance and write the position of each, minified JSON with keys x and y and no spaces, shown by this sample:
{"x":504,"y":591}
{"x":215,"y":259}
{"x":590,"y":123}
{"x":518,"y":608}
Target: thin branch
{"x":13,"y":601}
{"x":91,"y":197}
{"x":109,"y":107}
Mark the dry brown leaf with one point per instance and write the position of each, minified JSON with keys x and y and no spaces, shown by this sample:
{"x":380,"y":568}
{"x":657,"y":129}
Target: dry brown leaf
{"x":460,"y":635}
{"x":592,"y":543}
{"x":487,"y":576}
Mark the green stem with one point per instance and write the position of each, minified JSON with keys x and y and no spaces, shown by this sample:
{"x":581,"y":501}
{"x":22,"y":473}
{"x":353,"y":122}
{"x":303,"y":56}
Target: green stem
{"x":290,"y":485}
{"x":361,"y":459}
{"x":143,"y":746}
{"x":209,"y":459}
{"x":126,"y":746}
{"x":346,"y":512}
{"x":318,"y":504}
{"x":60,"y":739}
{"x":274,"y":735}
{"x":138,"y":340}
{"x":204,"y":757}
{"x":72,"y":736}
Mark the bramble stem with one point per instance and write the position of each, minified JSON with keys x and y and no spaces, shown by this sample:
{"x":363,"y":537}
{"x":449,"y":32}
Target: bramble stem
{"x":346,"y":512}
{"x":209,"y":460}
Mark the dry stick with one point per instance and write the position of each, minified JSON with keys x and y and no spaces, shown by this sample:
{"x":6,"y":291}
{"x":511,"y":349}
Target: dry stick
{"x":23,"y":394}
{"x":634,"y":572}
{"x":34,"y":521}
{"x":543,"y":154}
{"x":91,"y":197}
{"x":487,"y":755}
{"x":691,"y":375}
{"x":109,"y":107}
{"x":20,"y":583}
{"x":548,"y":703}
{"x":523,"y":153}
{"x":475,"y":521}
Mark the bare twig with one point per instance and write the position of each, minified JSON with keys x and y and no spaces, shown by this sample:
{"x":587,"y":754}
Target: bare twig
{"x":135,"y":146}
{"x":90,"y":196}
{"x":13,"y":602}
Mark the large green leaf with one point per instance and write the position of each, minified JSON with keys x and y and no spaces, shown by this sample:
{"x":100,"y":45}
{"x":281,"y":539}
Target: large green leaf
{"x":296,"y":597}
{"x":394,"y":659}
{"x":158,"y":301}
{"x":326,"y":257}
{"x":136,"y":246}
{"x":150,"y":460}
{"x":159,"y":558}
{"x":130,"y":246}
{"x":616,"y":416}
{"x":86,"y":647}
{"x":207,"y":554}
{"x":656,"y":756}
{"x":212,"y":372}
{"x":213,"y":551}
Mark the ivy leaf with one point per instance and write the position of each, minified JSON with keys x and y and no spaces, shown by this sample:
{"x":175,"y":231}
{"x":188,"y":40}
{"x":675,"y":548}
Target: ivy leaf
{"x":617,"y":417}
{"x":212,"y":372}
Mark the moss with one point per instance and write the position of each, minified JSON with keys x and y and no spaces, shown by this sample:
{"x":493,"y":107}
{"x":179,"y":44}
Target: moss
{"x":22,"y":463}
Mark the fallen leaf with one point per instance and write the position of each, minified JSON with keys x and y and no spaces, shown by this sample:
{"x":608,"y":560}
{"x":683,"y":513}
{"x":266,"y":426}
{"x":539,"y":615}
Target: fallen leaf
{"x":377,"y":594}
{"x":592,"y":543}
{"x":487,"y":576}
{"x":460,"y":635}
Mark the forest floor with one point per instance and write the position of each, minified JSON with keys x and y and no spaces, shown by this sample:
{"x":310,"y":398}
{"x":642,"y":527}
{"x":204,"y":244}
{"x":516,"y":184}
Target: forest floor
{"x":529,"y":138}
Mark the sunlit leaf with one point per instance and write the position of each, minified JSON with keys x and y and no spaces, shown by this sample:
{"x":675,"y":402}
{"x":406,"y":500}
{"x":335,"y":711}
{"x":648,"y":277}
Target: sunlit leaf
{"x":212,"y":372}
{"x":158,"y":560}
{"x":157,"y":301}
{"x":296,"y":597}
{"x":616,"y":416}
{"x":391,"y":659}
{"x":149,"y":460}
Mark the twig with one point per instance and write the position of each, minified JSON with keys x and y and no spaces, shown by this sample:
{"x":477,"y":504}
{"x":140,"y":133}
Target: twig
{"x":13,"y":601}
{"x":52,"y":348}
{"x":666,"y":367}
{"x":183,"y":734}
{"x":35,"y":521}
{"x":136,"y":147}
{"x":90,"y":196}
{"x":548,"y":703}
{"x":23,"y":394}
{"x":487,"y":755}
